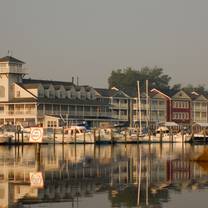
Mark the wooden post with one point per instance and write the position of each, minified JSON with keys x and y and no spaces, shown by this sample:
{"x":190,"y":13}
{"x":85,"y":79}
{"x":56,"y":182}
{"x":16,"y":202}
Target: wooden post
{"x":149,"y":135}
{"x":204,"y":135}
{"x":22,"y":134}
{"x":111,"y":136}
{"x":161,"y":136}
{"x":84,"y":137}
{"x":38,"y":156}
{"x":63,"y":135}
{"x":75,"y":136}
{"x":182,"y":133}
{"x":125,"y":135}
{"x":18,"y":136}
{"x":15,"y":137}
{"x":137,"y":135}
{"x":99,"y":135}
{"x":94,"y":133}
{"x":171,"y":131}
{"x":54,"y":135}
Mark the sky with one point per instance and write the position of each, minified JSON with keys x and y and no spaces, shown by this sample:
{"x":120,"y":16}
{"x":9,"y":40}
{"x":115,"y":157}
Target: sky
{"x":59,"y":39}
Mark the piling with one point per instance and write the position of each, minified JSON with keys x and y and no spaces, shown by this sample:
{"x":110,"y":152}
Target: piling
{"x":22,"y":135}
{"x":75,"y":137}
{"x":125,"y":135}
{"x":94,"y":133}
{"x":99,"y":136}
{"x":84,"y":137}
{"x":204,"y":133}
{"x":149,"y":136}
{"x":137,"y":135}
{"x":182,"y":134}
{"x":161,"y":136}
{"x":54,"y":135}
{"x":111,"y":136}
{"x":171,"y":132}
{"x":63,"y":135}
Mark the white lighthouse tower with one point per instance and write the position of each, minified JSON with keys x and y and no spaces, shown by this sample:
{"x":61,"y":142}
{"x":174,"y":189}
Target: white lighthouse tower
{"x":11,"y":71}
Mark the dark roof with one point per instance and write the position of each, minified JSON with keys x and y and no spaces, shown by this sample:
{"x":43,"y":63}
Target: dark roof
{"x":11,"y":59}
{"x":29,"y":85}
{"x":36,"y":81}
{"x":106,"y":92}
{"x":74,"y":101}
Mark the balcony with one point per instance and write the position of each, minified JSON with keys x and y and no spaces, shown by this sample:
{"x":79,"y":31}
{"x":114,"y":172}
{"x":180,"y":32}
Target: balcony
{"x":18,"y":112}
{"x":13,"y":70}
{"x":119,"y":106}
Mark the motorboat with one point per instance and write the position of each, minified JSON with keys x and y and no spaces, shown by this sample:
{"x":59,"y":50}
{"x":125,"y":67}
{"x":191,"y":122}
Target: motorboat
{"x":74,"y":134}
{"x":108,"y":135}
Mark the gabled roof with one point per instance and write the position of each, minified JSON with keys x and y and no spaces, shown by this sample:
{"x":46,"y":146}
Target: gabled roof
{"x":155,"y":91}
{"x":10,"y":59}
{"x":182,"y":95}
{"x":105,"y":92}
{"x":30,"y":85}
{"x":23,"y":87}
{"x":195,"y":96}
{"x":111,"y":92}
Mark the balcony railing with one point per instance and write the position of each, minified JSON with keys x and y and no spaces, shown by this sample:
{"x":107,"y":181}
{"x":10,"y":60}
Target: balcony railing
{"x":18,"y":112}
{"x":13,"y":70}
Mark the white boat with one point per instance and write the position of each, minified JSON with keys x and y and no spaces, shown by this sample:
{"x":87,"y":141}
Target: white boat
{"x":5,"y":137}
{"x":167,"y":136}
{"x":6,"y":134}
{"x":74,"y":134}
{"x":108,"y":135}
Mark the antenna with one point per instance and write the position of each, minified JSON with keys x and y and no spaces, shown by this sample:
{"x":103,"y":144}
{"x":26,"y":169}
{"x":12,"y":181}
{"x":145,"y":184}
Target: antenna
{"x":9,"y":53}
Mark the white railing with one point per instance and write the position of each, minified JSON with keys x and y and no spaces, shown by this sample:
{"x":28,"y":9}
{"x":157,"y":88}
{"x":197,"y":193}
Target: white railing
{"x":14,"y":70}
{"x":18,"y":112}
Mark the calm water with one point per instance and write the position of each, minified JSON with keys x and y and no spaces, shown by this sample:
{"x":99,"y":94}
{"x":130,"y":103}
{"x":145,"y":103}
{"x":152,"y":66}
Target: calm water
{"x":104,"y":176}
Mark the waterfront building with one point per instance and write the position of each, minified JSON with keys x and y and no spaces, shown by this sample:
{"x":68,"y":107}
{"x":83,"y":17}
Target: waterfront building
{"x":153,"y":109}
{"x":181,"y":108}
{"x":119,"y":103}
{"x":46,"y":103}
{"x":199,"y":106}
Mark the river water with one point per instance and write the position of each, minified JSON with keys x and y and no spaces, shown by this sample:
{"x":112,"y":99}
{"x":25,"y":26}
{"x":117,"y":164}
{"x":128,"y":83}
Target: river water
{"x":104,"y":176}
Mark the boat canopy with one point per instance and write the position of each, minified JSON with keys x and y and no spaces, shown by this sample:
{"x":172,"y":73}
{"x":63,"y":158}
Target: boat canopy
{"x":203,"y":125}
{"x":169,"y":124}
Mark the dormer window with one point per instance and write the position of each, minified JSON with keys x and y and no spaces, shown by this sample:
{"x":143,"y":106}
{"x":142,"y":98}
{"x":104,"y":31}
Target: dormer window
{"x":18,"y":93}
{"x":2,"y":91}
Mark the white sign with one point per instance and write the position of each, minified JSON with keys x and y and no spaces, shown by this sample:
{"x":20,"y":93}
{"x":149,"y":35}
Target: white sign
{"x":36,"y":135}
{"x":36,"y":180}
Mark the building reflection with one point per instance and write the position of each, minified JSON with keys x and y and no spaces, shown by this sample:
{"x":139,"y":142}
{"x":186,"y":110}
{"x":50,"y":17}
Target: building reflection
{"x":71,"y":172}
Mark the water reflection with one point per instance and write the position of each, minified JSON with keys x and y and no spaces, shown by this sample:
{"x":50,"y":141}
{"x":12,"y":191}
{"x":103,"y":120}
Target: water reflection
{"x":74,"y":173}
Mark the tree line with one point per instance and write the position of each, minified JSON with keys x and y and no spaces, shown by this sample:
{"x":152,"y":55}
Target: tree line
{"x":126,"y":80}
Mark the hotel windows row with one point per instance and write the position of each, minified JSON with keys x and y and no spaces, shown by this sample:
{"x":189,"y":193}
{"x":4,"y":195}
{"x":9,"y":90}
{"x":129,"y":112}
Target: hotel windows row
{"x":181,"y":116}
{"x":180,"y":104}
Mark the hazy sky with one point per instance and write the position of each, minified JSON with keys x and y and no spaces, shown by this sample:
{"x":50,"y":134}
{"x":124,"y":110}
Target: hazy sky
{"x":59,"y":39}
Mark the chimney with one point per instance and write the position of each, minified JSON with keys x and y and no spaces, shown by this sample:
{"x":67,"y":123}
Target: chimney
{"x":77,"y":81}
{"x":72,"y":80}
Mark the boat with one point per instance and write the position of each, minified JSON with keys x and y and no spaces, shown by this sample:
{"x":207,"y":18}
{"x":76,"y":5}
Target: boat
{"x":200,"y":133}
{"x":74,"y":134}
{"x":6,"y":134}
{"x":108,"y":135}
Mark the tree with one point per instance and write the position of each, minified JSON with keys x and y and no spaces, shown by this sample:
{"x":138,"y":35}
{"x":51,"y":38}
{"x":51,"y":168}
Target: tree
{"x":126,"y":79}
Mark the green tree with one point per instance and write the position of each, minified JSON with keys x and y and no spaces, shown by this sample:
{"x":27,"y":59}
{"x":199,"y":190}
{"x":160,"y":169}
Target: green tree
{"x":126,"y":79}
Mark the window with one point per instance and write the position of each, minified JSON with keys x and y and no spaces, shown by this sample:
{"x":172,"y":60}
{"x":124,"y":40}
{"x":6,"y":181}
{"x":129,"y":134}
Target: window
{"x":1,"y":108}
{"x":2,"y":91}
{"x":18,"y":93}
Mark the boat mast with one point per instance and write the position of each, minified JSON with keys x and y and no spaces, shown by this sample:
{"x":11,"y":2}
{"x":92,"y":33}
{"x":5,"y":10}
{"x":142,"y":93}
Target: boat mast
{"x":139,"y":102}
{"x":147,"y":104}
